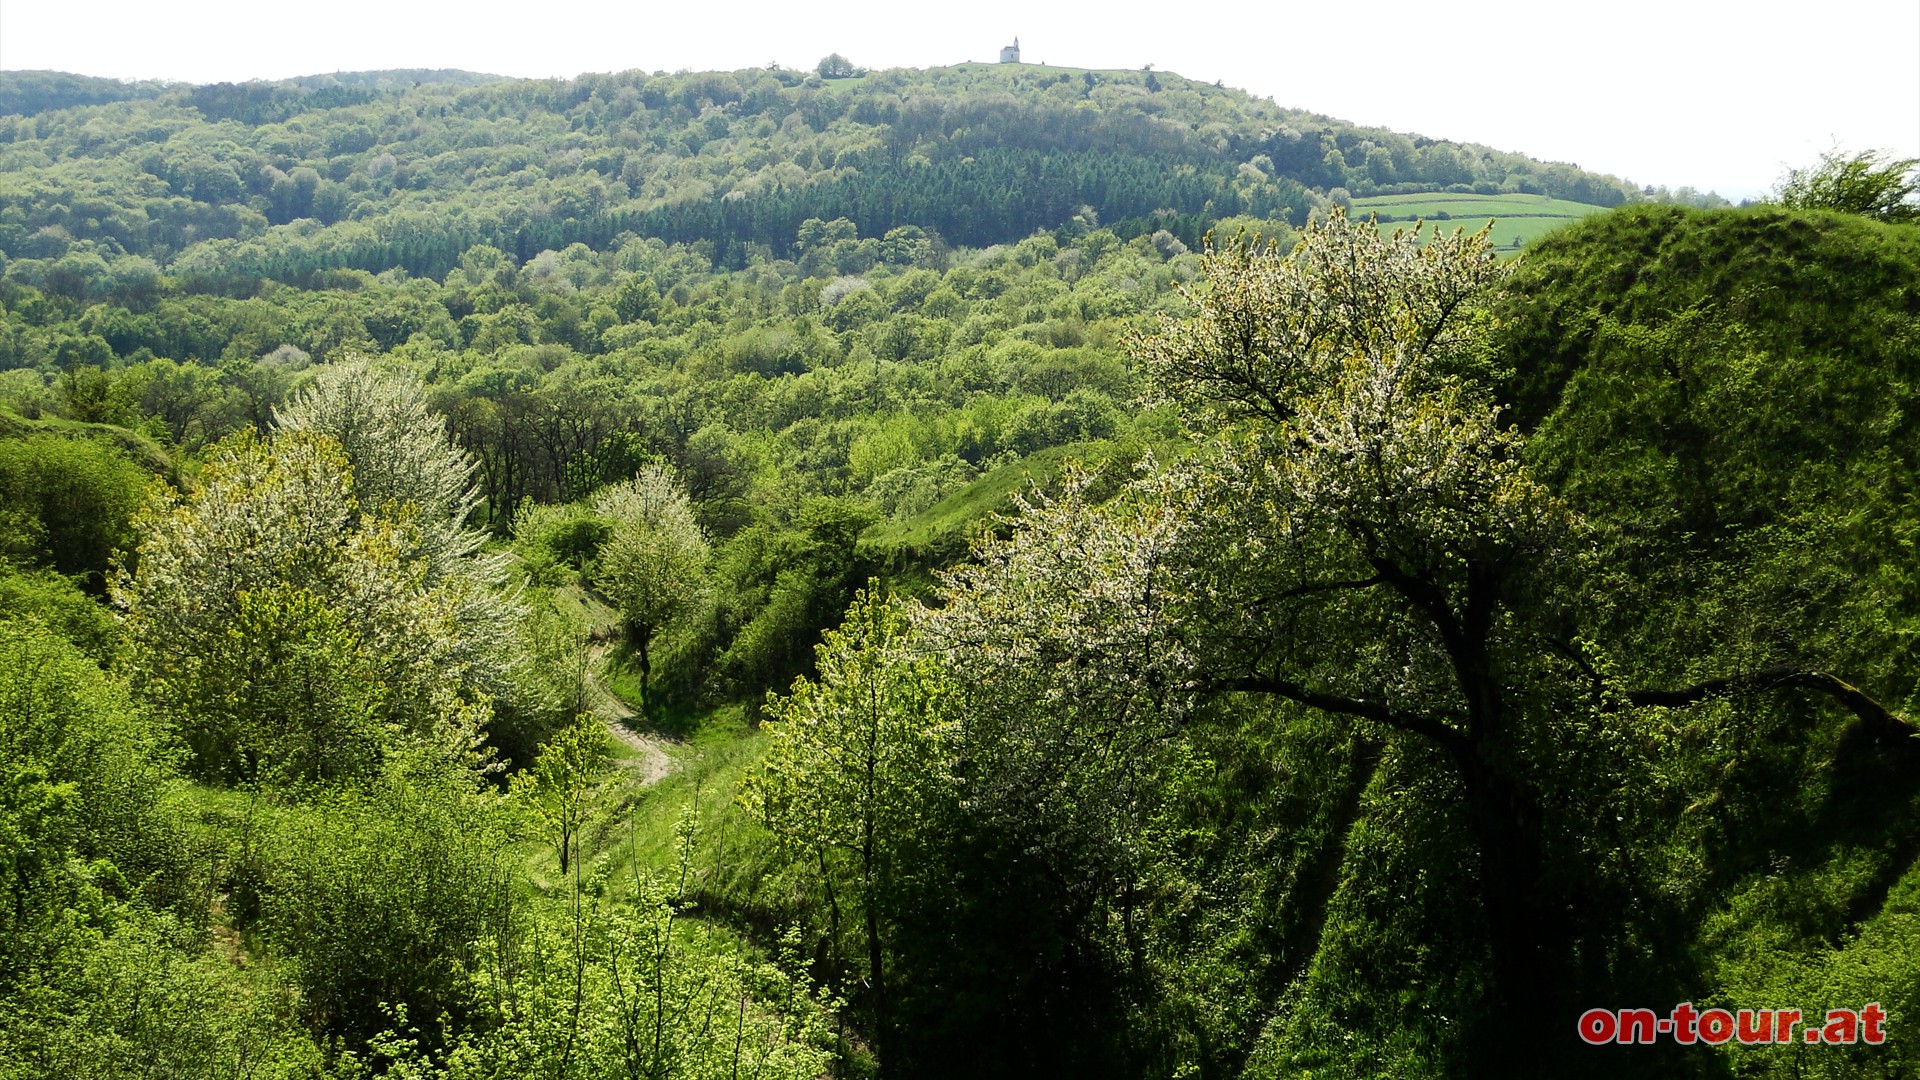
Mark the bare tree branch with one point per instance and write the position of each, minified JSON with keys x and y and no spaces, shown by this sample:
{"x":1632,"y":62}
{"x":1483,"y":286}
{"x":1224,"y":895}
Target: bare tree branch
{"x":1376,"y":711}
{"x":1870,"y":712}
{"x":1318,"y":587}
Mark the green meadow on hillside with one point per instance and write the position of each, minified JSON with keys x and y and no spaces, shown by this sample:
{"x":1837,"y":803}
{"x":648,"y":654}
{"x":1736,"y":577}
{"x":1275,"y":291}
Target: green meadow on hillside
{"x":1517,"y":219}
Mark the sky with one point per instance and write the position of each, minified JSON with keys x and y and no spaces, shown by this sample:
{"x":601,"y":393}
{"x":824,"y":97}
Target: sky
{"x":1701,"y":93}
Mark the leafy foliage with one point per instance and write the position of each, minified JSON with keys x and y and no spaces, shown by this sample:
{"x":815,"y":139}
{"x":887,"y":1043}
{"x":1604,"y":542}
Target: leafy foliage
{"x":287,"y":632}
{"x":652,"y":564}
{"x":69,"y":504}
{"x":1359,"y":536}
{"x":1872,"y":184}
{"x":854,"y":769}
{"x":381,"y":898}
{"x":398,"y":452}
{"x":558,"y":785}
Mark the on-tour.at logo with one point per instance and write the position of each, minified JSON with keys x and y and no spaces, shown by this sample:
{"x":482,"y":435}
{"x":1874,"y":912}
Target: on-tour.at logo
{"x":1748,"y":1027}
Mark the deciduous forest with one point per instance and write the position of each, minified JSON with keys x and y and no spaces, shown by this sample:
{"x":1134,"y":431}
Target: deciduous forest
{"x":984,"y":571}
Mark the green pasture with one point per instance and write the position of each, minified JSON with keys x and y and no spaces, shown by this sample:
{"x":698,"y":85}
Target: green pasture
{"x":1517,"y":219}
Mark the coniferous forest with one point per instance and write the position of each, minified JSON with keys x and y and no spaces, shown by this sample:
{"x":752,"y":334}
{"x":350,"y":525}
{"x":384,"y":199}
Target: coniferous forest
{"x":984,"y":571}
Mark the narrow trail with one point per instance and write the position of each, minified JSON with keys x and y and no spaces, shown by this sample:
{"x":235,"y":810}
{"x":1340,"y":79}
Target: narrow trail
{"x":651,"y":761}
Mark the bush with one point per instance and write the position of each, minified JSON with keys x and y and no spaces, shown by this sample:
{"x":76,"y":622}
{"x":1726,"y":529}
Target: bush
{"x":67,"y":504}
{"x":82,"y":775}
{"x":58,"y":604}
{"x":553,"y":540}
{"x":381,"y":898}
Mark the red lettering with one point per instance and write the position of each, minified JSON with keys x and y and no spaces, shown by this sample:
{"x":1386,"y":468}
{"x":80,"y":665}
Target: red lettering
{"x":1683,"y":1021}
{"x":1870,"y":1019}
{"x":1597,"y":1026}
{"x":1753,"y":1027}
{"x":1636,"y":1025}
{"x":1716,"y":1026}
{"x":1842,"y":1026}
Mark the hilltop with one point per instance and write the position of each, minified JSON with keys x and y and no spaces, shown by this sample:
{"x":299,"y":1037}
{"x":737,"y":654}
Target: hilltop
{"x":28,"y":93}
{"x":408,"y":169}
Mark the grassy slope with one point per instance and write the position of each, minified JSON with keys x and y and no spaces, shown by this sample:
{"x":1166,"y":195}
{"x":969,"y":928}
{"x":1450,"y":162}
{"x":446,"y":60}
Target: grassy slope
{"x":1517,"y":219}
{"x":942,"y":534}
{"x":1736,"y":390}
{"x":143,"y":451}
{"x":1809,"y":282}
{"x":1431,"y":203}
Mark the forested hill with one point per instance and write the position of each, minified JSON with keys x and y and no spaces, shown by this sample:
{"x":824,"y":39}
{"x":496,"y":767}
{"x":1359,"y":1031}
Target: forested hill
{"x":28,"y":93}
{"x":230,"y":182}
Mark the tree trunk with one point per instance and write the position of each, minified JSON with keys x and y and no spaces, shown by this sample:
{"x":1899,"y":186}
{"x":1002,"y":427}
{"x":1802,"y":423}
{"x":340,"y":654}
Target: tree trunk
{"x":642,"y":638}
{"x":871,"y":904}
{"x":1521,"y":936}
{"x":880,"y":1038}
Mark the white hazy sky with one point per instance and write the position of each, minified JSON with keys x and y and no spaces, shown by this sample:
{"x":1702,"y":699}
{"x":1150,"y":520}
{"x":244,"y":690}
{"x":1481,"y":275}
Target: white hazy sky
{"x":1715,"y":95}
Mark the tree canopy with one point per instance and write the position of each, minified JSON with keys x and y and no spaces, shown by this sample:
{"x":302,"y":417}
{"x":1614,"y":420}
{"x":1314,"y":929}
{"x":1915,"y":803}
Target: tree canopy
{"x":287,"y":625}
{"x":1871,"y":183}
{"x":652,"y":564}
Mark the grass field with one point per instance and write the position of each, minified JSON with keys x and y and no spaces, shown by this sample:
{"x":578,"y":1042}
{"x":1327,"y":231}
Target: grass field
{"x":142,"y":450}
{"x":940,"y":534}
{"x":1517,"y":219}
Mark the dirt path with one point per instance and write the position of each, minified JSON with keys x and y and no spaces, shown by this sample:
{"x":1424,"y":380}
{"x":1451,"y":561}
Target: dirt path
{"x":651,"y":761}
